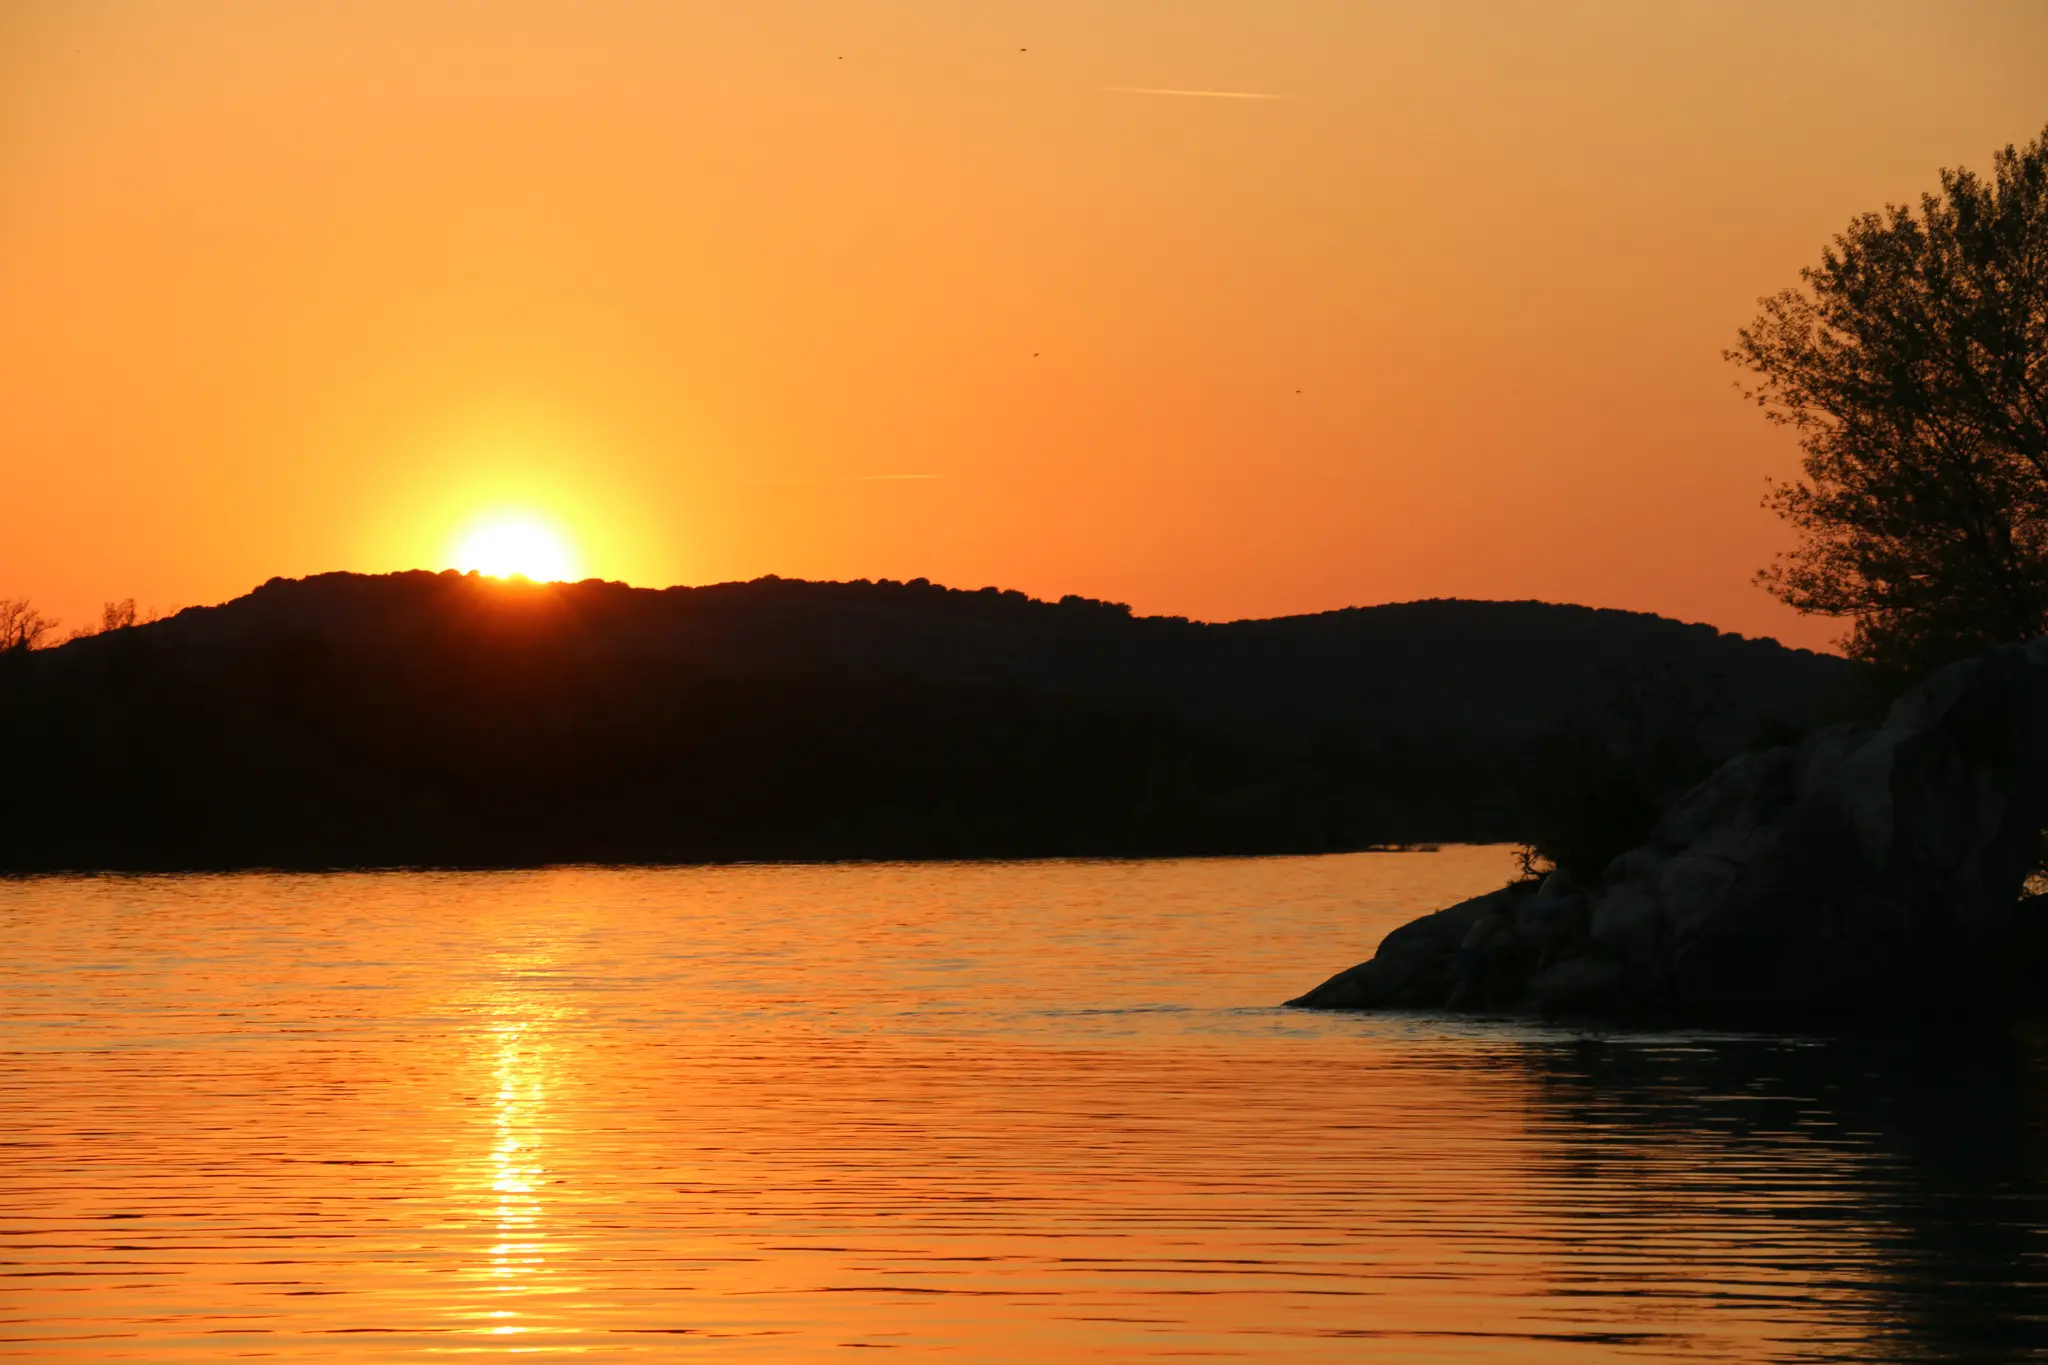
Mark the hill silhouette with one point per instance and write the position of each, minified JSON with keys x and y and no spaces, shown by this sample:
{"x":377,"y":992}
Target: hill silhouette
{"x":421,"y":718}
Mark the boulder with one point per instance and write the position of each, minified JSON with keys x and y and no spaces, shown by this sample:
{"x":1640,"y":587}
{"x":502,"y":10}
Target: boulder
{"x":1584,"y":984}
{"x":1412,"y":968}
{"x":1629,"y":924}
{"x":1863,"y":871}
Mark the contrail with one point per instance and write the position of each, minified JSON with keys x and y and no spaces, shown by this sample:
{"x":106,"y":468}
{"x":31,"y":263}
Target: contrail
{"x":1194,"y":94}
{"x":835,"y":478}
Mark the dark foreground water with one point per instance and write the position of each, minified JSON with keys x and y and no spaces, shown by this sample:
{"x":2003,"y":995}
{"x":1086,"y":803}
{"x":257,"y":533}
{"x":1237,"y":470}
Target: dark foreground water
{"x":981,"y":1112}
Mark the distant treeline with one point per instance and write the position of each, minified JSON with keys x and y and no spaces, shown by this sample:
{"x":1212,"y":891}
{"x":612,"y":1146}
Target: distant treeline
{"x":424,"y":719}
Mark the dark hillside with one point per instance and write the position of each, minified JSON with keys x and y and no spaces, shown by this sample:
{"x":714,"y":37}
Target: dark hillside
{"x":437,"y":718}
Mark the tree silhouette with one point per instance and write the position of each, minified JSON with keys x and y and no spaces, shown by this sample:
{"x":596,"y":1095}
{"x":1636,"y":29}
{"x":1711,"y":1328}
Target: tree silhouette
{"x":1913,"y":364}
{"x":119,"y":615}
{"x":114,"y":616}
{"x":22,"y":627}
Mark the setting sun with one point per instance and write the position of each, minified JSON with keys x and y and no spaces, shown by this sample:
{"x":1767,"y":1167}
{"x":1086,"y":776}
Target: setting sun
{"x":515,"y":545}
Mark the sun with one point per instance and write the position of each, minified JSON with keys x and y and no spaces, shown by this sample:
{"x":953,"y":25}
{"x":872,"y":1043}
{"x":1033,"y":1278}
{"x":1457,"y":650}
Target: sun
{"x":515,"y":545}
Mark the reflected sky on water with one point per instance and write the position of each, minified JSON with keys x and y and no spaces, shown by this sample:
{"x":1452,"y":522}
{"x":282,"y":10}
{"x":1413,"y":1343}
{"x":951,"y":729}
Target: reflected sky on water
{"x":987,"y":1112}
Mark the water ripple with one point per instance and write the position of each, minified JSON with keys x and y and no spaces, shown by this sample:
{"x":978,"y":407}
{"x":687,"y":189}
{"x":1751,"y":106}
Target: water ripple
{"x":994,"y":1112}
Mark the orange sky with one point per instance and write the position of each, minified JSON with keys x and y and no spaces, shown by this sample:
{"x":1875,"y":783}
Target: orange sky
{"x":287,"y":288}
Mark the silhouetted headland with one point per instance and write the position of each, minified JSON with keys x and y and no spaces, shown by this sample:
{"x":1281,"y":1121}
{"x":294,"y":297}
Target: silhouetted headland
{"x":1866,"y":870}
{"x":443,"y":719}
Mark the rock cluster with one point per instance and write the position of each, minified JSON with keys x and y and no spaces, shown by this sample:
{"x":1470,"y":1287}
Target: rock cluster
{"x":1861,"y":872}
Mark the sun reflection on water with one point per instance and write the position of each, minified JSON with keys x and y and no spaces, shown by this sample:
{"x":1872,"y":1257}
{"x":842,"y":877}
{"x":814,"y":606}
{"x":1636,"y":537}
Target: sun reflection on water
{"x":517,"y":1056}
{"x":521,"y":1096}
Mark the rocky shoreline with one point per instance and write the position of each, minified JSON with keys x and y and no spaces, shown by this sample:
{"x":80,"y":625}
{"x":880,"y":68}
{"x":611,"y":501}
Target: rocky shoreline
{"x":1866,"y":871}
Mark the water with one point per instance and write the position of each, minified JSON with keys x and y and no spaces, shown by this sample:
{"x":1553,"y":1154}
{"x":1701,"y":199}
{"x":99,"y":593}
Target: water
{"x":980,"y":1112}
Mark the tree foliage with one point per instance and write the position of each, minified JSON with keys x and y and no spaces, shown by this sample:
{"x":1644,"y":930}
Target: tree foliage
{"x":1913,"y":364}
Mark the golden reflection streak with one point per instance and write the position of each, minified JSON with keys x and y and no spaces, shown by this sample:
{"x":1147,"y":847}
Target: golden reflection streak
{"x":521,"y":1093}
{"x":519,"y":1096}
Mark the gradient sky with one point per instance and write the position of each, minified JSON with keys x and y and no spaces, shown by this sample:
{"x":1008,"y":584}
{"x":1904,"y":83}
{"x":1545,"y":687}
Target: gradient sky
{"x":295,"y":287}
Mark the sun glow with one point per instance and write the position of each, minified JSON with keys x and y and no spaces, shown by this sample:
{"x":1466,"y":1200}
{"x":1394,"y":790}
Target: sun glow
{"x":515,"y":545}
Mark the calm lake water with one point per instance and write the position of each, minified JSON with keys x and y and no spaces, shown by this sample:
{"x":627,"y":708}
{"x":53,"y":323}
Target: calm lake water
{"x":984,"y":1112}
